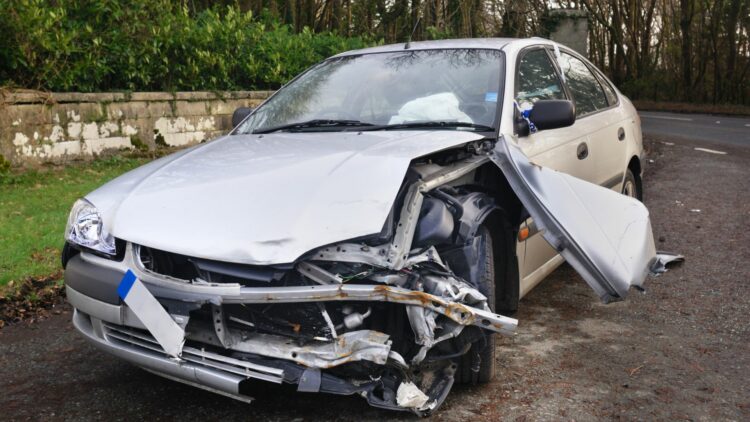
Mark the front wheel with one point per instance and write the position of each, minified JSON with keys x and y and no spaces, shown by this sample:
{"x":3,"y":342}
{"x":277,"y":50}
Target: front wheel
{"x":478,"y":365}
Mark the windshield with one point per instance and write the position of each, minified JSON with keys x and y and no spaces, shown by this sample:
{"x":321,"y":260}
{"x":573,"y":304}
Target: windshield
{"x":457,"y":88}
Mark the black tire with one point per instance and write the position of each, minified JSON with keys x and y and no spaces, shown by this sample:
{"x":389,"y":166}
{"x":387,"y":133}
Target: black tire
{"x":631,"y":187}
{"x":483,"y":351}
{"x":507,"y":283}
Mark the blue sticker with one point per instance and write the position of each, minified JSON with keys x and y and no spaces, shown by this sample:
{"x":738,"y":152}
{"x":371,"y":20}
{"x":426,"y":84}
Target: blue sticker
{"x":126,"y":284}
{"x":490,"y":97}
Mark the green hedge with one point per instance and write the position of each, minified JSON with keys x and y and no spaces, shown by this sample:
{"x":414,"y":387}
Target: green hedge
{"x":147,"y":45}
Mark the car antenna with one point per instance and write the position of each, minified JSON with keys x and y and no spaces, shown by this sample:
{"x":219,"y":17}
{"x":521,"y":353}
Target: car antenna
{"x":408,"y":40}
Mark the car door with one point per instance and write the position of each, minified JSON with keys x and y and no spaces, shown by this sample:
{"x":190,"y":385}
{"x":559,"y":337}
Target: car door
{"x":605,"y":236}
{"x":537,"y":78}
{"x":597,"y":116}
{"x":627,"y":132}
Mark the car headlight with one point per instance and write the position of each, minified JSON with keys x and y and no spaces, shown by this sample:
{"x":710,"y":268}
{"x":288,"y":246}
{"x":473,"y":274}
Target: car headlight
{"x":86,"y":228}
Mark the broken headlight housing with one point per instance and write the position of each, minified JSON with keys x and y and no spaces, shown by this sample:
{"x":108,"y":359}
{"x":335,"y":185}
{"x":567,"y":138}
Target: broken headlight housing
{"x":85,"y":228}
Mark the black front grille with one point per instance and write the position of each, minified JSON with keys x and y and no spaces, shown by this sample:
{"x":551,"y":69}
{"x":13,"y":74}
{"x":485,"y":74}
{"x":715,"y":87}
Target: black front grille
{"x":167,"y":263}
{"x":189,"y":268}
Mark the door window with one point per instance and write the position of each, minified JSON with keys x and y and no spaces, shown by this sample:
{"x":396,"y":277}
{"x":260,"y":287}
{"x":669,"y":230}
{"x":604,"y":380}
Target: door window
{"x":608,"y":90}
{"x":537,"y":79}
{"x":587,"y":93}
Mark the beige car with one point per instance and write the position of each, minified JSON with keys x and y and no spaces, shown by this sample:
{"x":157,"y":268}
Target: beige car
{"x":603,"y":146}
{"x":371,"y":227}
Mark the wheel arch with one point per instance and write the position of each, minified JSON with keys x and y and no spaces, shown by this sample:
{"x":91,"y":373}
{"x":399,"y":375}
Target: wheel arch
{"x":634,"y":165}
{"x":505,"y":220}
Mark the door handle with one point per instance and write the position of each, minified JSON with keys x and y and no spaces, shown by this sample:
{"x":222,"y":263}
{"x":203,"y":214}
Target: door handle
{"x":620,"y":134}
{"x":583,"y":151}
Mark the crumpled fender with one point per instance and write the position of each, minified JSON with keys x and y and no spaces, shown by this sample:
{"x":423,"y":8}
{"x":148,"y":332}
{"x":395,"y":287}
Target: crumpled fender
{"x":605,"y":236}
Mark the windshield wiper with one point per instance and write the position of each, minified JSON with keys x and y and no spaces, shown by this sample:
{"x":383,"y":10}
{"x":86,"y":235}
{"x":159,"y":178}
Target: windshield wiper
{"x":430,"y":124}
{"x":315,"y":123}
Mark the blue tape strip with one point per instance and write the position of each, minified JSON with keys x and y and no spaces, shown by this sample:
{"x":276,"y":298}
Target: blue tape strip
{"x":525,"y":114}
{"x":126,"y":284}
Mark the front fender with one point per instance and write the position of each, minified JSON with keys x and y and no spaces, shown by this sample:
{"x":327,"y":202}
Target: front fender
{"x":603,"y":235}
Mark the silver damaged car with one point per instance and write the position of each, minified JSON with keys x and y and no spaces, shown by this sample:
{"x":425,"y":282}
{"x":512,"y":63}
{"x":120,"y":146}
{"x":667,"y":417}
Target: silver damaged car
{"x":371,"y":227}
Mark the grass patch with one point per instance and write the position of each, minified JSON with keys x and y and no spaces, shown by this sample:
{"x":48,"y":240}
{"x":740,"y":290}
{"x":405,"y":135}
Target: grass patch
{"x":34,"y":207}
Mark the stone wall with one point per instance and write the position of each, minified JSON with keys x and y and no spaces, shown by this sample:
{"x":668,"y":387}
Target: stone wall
{"x":569,"y":27}
{"x":42,"y":127}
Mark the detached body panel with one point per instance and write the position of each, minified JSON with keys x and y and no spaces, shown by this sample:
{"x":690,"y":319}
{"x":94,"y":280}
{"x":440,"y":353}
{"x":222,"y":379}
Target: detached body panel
{"x":604,"y":235}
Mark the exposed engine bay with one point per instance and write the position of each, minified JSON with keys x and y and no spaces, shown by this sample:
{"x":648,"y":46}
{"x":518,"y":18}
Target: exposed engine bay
{"x":393,"y":321}
{"x":395,"y":317}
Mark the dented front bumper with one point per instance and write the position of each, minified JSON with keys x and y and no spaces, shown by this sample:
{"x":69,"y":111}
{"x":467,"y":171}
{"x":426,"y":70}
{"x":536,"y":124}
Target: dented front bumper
{"x":221,"y":355}
{"x":207,"y":370}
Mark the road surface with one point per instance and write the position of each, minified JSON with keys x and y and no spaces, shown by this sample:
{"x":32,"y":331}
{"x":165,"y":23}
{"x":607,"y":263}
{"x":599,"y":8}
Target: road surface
{"x":699,"y":127}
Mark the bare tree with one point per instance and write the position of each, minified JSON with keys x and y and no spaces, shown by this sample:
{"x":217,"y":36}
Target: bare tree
{"x":641,"y":44}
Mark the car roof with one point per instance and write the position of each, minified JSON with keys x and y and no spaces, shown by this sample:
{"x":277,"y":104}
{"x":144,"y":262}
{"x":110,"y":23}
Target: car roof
{"x":483,"y":43}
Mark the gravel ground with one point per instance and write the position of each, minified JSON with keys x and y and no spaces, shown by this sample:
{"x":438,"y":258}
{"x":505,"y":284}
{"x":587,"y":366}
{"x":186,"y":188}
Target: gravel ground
{"x":679,"y":351}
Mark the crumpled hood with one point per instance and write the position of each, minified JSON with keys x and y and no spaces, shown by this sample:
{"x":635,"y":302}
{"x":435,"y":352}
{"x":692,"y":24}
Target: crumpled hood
{"x":266,"y":199}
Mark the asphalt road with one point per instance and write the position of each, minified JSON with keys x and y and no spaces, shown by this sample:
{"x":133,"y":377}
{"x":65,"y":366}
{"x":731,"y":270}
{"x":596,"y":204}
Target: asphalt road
{"x":698,"y":127}
{"x":681,"y":351}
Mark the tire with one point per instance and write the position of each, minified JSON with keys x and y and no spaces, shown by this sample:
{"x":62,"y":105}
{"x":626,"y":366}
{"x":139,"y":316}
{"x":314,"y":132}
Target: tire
{"x":507,"y":282}
{"x":484,"y":351}
{"x":630,"y":186}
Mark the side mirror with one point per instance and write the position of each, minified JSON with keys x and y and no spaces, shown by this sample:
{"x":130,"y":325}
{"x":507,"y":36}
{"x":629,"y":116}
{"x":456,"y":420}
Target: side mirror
{"x":553,"y":114}
{"x":239,"y":115}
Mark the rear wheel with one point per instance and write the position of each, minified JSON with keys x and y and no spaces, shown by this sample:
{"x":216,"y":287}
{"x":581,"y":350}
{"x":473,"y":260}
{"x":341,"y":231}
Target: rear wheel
{"x":630,"y":185}
{"x":478,"y":365}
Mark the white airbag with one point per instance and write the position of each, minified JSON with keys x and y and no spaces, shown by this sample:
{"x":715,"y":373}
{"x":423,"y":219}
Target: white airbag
{"x":437,"y":107}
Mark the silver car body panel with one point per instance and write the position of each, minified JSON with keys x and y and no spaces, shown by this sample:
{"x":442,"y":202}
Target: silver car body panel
{"x":604,"y":235}
{"x":266,"y":199}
